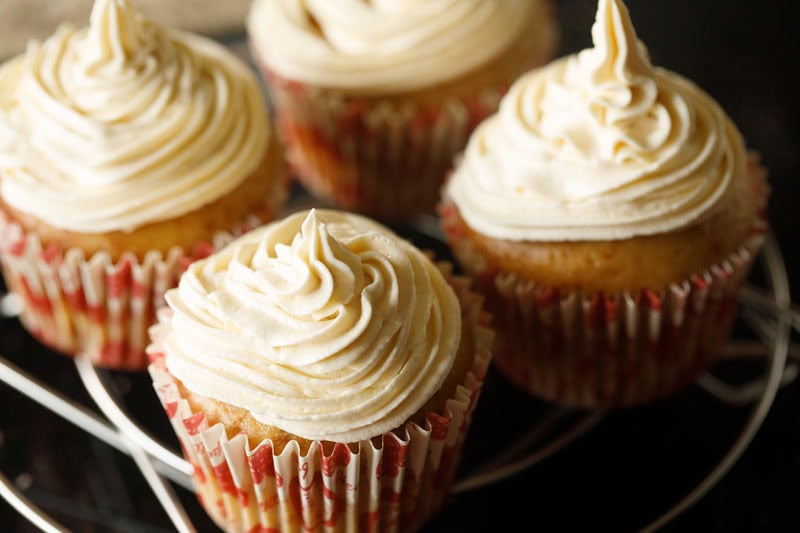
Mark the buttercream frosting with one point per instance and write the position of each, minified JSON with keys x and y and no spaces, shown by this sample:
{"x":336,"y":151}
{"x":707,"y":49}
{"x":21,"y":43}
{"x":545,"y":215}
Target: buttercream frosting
{"x":324,"y":324}
{"x":385,"y":45}
{"x":598,"y":146}
{"x":125,"y":123}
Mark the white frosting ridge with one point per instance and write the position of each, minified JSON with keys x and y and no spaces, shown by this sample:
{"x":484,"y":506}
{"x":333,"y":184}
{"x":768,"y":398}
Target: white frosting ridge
{"x":385,"y":45}
{"x":125,"y":123}
{"x":324,"y":324}
{"x":599,"y":146}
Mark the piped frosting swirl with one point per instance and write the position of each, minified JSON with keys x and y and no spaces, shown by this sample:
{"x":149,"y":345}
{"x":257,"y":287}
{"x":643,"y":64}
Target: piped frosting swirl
{"x":385,"y":45}
{"x":125,"y":123}
{"x":599,"y":146}
{"x":324,"y":324}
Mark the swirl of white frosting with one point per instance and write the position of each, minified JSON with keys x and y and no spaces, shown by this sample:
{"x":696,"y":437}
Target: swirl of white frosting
{"x":598,"y":146}
{"x":125,"y":123}
{"x":384,"y":45}
{"x":324,"y":324}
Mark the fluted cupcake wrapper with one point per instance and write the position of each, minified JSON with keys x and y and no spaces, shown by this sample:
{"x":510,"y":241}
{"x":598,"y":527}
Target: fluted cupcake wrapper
{"x":390,"y":483}
{"x":73,"y":303}
{"x":380,"y":157}
{"x":386,"y":155}
{"x":605,"y":349}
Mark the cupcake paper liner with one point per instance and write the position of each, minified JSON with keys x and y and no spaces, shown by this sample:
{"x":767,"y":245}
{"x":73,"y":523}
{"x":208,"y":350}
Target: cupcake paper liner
{"x":72,"y":303}
{"x":380,"y":157}
{"x":388,"y":483}
{"x":605,"y":349}
{"x":387,"y":155}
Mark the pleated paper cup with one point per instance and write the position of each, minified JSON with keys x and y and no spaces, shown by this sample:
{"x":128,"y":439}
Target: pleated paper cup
{"x":387,"y":155}
{"x":102,"y":307}
{"x":393,"y":482}
{"x":605,"y":349}
{"x":383,"y":158}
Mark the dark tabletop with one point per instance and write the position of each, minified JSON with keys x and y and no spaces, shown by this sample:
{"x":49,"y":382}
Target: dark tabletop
{"x":628,"y":470}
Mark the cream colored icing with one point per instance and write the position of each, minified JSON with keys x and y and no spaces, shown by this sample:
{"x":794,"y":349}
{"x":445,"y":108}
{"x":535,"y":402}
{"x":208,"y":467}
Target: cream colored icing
{"x":598,"y":146}
{"x":324,"y":324}
{"x":125,"y":123}
{"x":385,"y":45}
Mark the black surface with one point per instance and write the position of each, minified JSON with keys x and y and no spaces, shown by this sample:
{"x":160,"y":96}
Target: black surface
{"x":634,"y":465}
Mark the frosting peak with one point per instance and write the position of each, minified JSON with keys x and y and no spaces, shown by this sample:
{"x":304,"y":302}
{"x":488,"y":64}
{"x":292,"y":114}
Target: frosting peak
{"x":624,"y":120}
{"x":125,"y":123}
{"x":598,"y":146}
{"x":324,"y":324}
{"x":315,"y":275}
{"x":618,"y":55}
{"x":117,"y":35}
{"x":121,"y":62}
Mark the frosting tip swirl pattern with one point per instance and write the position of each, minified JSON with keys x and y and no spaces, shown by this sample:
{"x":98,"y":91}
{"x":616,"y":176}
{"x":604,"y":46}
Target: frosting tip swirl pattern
{"x":125,"y":123}
{"x":599,"y":146}
{"x":324,"y":324}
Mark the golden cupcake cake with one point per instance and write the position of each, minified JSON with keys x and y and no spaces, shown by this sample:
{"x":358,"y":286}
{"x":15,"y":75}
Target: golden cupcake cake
{"x":610,"y":212}
{"x":374,"y":99}
{"x":320,"y":372}
{"x":125,"y":147}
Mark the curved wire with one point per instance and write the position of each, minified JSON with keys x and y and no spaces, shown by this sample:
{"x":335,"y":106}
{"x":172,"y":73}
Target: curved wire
{"x":111,"y":408}
{"x":776,"y":273}
{"x":27,"y":508}
{"x":78,"y":415}
{"x":172,"y":506}
{"x":485,"y":478}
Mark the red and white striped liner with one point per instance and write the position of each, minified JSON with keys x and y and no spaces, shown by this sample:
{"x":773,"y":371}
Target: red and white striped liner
{"x":376,"y":157}
{"x":390,"y":483}
{"x":72,"y":303}
{"x":607,"y":349}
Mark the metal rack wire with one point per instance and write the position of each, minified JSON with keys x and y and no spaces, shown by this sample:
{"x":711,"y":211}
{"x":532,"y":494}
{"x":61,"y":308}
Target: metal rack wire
{"x":767,"y":311}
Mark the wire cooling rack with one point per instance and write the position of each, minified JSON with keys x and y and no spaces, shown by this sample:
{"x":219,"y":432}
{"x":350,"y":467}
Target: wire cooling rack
{"x":766,"y":310}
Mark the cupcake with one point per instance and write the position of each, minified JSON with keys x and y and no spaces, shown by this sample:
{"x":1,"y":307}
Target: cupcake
{"x":610,"y":212}
{"x":320,"y":372}
{"x":125,"y":147}
{"x":373,"y":99}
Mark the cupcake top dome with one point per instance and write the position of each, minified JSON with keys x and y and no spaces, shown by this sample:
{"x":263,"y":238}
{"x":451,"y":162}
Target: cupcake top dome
{"x":125,"y":123}
{"x":599,"y":145}
{"x":324,"y":324}
{"x":384,"y":46}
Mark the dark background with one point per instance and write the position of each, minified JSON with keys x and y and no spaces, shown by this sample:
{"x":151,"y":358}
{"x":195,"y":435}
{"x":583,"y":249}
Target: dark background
{"x":627,"y":471}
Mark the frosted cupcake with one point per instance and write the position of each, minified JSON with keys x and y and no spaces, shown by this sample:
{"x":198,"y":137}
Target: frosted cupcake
{"x":124,"y":148}
{"x":374,"y":98}
{"x":320,"y":371}
{"x":610,"y":211}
